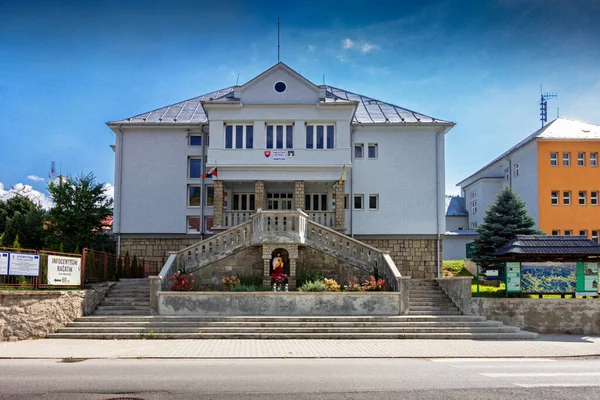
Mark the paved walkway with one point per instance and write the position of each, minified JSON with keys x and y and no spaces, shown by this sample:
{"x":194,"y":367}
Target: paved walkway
{"x":545,"y":346}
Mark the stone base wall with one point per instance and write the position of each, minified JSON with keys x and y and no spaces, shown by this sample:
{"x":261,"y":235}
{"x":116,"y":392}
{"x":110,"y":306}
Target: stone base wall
{"x":413,"y":257}
{"x":152,"y":249}
{"x":332,"y":268}
{"x":572,"y":316}
{"x":28,"y":314}
{"x":247,"y":262}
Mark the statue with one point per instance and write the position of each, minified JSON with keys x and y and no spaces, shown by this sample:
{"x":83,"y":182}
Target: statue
{"x":277,"y":265}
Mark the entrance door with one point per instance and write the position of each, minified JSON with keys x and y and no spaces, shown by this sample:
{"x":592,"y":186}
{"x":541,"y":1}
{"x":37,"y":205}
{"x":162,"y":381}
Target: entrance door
{"x":279,"y":201}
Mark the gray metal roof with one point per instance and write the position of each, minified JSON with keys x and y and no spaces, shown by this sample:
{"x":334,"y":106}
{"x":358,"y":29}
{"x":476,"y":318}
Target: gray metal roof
{"x":369,"y":110}
{"x":550,"y":245}
{"x":455,"y":207}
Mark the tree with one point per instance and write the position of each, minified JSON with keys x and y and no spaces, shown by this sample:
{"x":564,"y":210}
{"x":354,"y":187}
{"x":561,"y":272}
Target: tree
{"x":20,"y":216}
{"x":81,"y":207}
{"x":504,"y":220}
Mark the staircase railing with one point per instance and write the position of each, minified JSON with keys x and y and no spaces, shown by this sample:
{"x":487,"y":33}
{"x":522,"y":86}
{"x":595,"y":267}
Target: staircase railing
{"x":281,"y":227}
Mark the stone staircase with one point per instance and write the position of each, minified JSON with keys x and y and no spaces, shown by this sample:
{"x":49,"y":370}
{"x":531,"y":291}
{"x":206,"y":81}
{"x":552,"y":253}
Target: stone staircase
{"x":392,"y":327}
{"x":127,"y":297}
{"x":428,"y":298}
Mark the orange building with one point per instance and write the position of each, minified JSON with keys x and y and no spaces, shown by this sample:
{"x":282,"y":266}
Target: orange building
{"x":555,"y":170}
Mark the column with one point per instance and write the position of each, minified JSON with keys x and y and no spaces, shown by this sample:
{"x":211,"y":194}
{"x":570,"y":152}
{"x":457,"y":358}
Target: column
{"x":299,"y":194}
{"x":259,"y":194}
{"x":218,"y":206}
{"x":292,"y":277}
{"x":340,"y":216}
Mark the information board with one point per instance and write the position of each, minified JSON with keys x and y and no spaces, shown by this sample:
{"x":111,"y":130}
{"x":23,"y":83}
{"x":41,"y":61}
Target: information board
{"x":513,"y":277}
{"x":22,"y":264}
{"x":3,"y":263}
{"x":587,"y":278}
{"x":64,"y":270}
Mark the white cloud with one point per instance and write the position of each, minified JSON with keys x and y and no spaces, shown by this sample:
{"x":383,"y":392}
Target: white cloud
{"x":347,"y":44}
{"x":342,"y":58}
{"x":35,"y":178}
{"x":367,"y":47}
{"x":311,"y":48}
{"x":25,"y":190}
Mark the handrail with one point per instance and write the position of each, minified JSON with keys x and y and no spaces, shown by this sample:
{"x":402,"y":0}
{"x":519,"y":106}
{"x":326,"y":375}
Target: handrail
{"x":167,"y":271}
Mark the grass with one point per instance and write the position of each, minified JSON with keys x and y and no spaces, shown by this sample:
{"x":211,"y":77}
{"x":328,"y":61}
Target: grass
{"x":455,"y":268}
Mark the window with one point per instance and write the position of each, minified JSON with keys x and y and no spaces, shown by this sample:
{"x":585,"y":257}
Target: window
{"x":358,"y":150}
{"x":210,"y":196}
{"x":195,"y":140}
{"x":320,"y":136}
{"x":372,"y":150}
{"x":568,"y":232}
{"x":243,"y":201}
{"x":279,"y":201}
{"x":554,"y":198}
{"x":474,"y":207}
{"x":239,"y":136}
{"x":280,"y":137}
{"x":280,"y":87}
{"x":567,"y":198}
{"x":595,"y":236}
{"x":516,"y":169}
{"x":315,"y":202}
{"x":582,"y":198}
{"x":195,"y":168}
{"x":506,"y":174}
{"x":583,"y":233}
{"x":566,"y":159}
{"x":556,"y":233}
{"x":473,"y":225}
{"x":208,"y":224}
{"x":553,"y":159}
{"x":593,"y":159}
{"x":473,"y":193}
{"x":358,"y":201}
{"x":346,"y":202}
{"x":594,"y":198}
{"x":193,"y":224}
{"x":194,"y":195}
{"x":581,"y":159}
{"x":373,"y":201}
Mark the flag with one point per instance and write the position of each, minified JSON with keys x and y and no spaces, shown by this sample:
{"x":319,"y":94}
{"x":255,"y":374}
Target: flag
{"x":341,"y":181}
{"x":212,"y":174}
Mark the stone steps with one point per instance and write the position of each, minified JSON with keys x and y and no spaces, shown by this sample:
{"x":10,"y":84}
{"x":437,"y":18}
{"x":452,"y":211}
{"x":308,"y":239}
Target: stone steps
{"x":128,"y":297}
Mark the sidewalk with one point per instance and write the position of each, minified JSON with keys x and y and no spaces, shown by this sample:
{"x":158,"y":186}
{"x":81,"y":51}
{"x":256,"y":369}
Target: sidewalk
{"x":545,"y":346}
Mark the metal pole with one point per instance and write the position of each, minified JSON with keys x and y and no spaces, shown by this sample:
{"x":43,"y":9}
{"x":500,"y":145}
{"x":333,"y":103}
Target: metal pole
{"x":477,"y":280}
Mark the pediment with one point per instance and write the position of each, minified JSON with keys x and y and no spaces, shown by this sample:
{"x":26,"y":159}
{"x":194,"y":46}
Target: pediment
{"x":279,"y":85}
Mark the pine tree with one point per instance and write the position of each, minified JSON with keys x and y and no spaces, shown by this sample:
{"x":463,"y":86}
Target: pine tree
{"x":504,"y":220}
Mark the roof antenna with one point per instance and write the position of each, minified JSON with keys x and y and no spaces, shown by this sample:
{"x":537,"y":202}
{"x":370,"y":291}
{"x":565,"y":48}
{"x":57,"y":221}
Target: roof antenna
{"x":557,"y":112}
{"x":544,"y":104}
{"x":323,"y":79}
{"x":278,"y":46}
{"x":237,"y":80}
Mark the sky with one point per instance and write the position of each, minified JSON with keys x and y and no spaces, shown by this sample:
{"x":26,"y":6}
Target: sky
{"x":68,"y":67}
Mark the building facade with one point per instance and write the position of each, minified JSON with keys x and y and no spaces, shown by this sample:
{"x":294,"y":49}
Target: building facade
{"x":554,"y":170}
{"x":365,"y":168}
{"x":458,"y":234}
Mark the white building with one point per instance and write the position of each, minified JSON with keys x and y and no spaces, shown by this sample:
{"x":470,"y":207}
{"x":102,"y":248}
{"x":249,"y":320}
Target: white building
{"x":458,"y":234}
{"x":366,"y":168}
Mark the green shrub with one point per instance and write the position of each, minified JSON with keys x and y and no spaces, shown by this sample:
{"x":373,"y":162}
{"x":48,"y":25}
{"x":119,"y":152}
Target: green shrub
{"x":308,"y":275}
{"x":313,"y":286}
{"x":250,"y":280}
{"x":248,"y":288}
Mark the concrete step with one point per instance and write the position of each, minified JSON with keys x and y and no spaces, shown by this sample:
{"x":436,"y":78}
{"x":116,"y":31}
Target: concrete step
{"x":449,"y":307}
{"x":441,"y":312}
{"x":117,"y":302}
{"x":234,"y":330}
{"x":436,"y":335}
{"x":123,"y":312}
{"x":198,"y":325}
{"x":123,"y":307}
{"x":264,"y":319}
{"x":413,"y":303}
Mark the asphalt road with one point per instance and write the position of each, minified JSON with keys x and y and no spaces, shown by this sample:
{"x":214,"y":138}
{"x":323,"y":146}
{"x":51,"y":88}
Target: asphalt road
{"x":151,"y":379}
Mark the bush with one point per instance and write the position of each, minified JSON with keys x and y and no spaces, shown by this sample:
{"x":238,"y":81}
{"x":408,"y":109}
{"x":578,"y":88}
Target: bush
{"x":353,"y":285}
{"x":249,"y":288}
{"x":372,"y":285}
{"x":230,"y":282}
{"x":332,"y":286}
{"x":305,"y":276}
{"x":313,"y":286}
{"x":250,"y":280}
{"x":181,"y":282}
